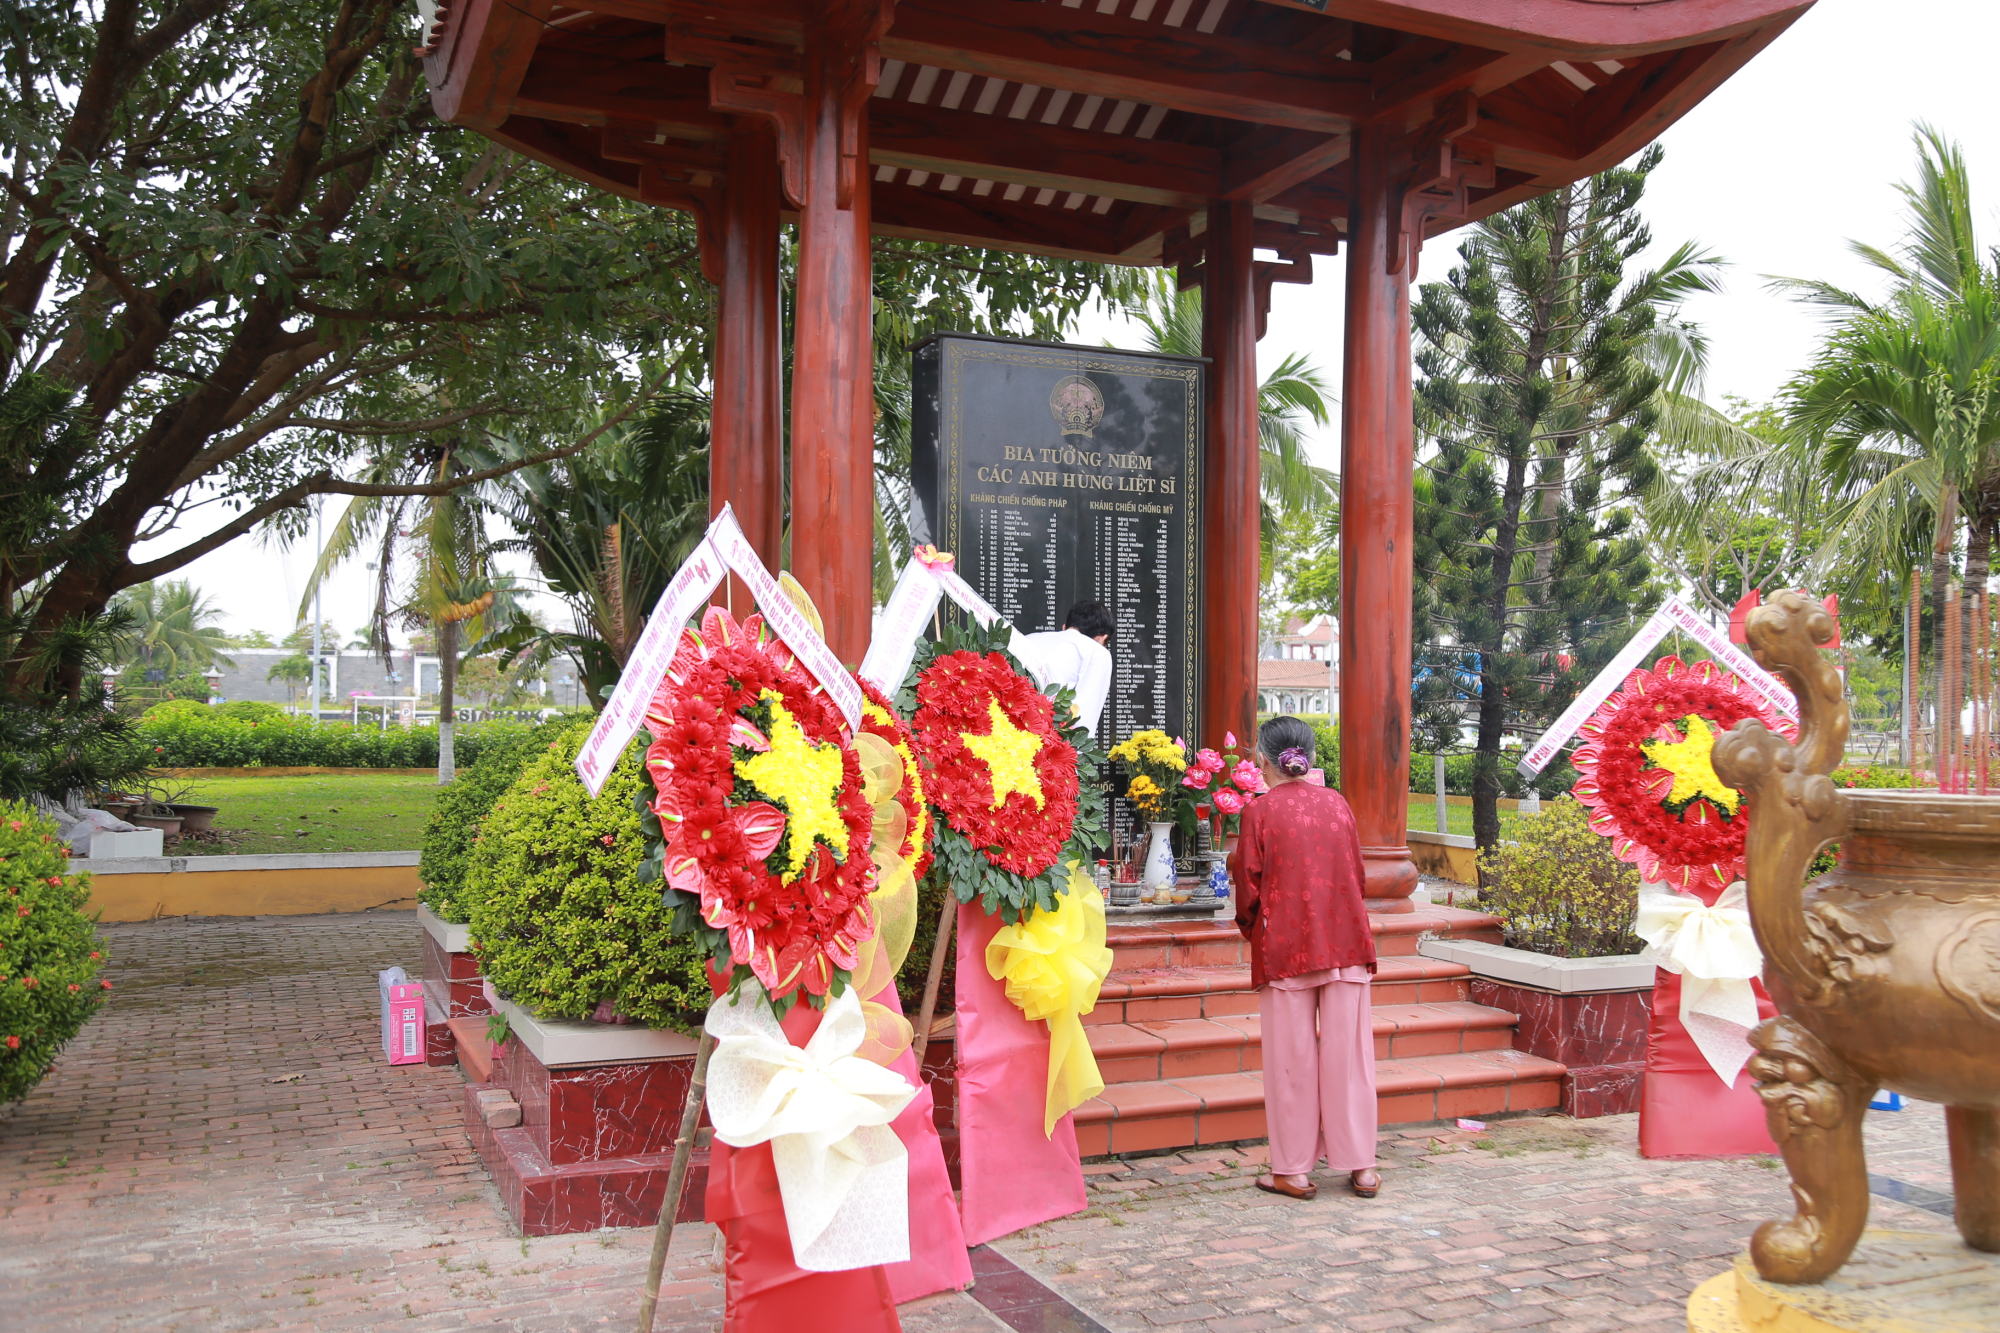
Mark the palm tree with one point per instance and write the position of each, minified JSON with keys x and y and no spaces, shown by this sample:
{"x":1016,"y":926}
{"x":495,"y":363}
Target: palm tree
{"x":174,"y":628}
{"x":607,"y":529}
{"x":1898,"y":418}
{"x":1289,"y":397}
{"x":442,"y":545}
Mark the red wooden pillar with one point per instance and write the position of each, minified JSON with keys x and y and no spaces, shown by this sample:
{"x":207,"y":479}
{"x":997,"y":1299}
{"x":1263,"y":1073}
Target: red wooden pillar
{"x":833,"y":399}
{"x":1377,"y":512}
{"x":1230,"y":473}
{"x":746,"y":434}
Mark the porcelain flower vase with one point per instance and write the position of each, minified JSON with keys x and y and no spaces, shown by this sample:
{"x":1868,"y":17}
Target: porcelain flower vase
{"x":1159,"y":870}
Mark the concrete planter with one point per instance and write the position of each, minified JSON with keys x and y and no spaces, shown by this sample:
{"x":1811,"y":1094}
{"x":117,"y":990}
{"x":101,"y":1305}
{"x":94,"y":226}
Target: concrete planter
{"x":1589,"y":1013}
{"x":599,"y":1105}
{"x":140,"y":888}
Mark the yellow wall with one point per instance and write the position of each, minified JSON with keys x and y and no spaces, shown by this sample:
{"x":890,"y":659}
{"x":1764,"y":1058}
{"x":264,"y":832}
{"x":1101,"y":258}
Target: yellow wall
{"x":301,"y":892}
{"x":1456,"y":863}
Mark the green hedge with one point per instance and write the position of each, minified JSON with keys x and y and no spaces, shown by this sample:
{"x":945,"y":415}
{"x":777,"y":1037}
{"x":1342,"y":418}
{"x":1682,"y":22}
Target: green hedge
{"x":1556,"y":779}
{"x":462,"y":807}
{"x":560,"y":920}
{"x":182,"y":737}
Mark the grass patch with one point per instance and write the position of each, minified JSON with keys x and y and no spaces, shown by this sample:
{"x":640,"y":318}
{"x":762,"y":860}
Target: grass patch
{"x":337,"y":812}
{"x":1458,"y":818}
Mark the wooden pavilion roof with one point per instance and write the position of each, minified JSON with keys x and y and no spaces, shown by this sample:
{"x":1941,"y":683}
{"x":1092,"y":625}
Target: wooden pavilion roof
{"x":1100,"y":129}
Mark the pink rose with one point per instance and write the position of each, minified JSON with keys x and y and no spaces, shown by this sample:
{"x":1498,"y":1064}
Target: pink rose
{"x":1195,"y":778}
{"x":1246,"y":776}
{"x":1228,"y":802}
{"x":1228,"y":740}
{"x":1208,"y":761}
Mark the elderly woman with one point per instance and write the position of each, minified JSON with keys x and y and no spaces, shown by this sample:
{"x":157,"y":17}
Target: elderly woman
{"x":1297,"y":870}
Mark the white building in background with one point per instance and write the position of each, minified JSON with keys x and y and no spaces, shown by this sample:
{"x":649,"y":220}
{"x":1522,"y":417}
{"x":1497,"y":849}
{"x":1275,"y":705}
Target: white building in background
{"x":1299,"y":668}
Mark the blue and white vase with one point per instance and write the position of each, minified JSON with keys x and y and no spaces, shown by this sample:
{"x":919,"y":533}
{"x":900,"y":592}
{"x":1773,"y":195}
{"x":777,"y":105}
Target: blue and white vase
{"x":1159,"y":859}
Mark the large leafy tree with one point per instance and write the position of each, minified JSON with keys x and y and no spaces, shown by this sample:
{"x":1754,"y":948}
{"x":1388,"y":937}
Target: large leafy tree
{"x":234,"y":233}
{"x":1537,"y":395}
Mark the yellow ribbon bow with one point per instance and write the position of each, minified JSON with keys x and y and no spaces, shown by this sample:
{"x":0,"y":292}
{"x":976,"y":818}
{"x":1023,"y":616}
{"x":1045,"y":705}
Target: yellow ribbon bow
{"x":1053,"y":964}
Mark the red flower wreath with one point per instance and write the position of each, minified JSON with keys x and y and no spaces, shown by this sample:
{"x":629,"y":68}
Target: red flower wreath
{"x":879,"y":718}
{"x":758,"y":821}
{"x":968,"y":703}
{"x":1629,"y":780}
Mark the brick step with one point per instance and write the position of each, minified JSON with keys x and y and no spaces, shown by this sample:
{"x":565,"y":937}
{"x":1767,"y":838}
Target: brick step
{"x":1223,"y":1108}
{"x":1179,"y":944}
{"x":1233,"y":1044}
{"x":1164,"y":994}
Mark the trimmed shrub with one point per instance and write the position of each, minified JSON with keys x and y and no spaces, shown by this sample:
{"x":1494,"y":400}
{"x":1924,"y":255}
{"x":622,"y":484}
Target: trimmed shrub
{"x":1876,"y":776}
{"x":559,"y":918}
{"x":1327,"y":750}
{"x":463,"y":805}
{"x":1555,"y":780}
{"x":49,"y":951}
{"x":1558,"y":888}
{"x":198,"y":738}
{"x":172,"y":708}
{"x":250,"y":710}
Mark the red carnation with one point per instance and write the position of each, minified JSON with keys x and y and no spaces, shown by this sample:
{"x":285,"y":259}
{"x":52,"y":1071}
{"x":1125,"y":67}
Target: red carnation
{"x":13,"y":1043}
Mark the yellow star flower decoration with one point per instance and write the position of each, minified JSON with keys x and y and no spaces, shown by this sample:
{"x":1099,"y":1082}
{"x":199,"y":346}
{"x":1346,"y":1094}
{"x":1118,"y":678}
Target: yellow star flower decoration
{"x":1690,"y":762}
{"x":805,"y":779}
{"x":1010,"y":754}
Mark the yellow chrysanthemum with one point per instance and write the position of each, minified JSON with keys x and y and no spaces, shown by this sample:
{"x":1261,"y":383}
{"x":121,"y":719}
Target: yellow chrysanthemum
{"x":1009,"y":753}
{"x":805,"y":779}
{"x":1690,"y":761}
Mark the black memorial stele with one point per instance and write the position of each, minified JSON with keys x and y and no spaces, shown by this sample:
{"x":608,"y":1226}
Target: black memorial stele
{"x":1058,"y":474}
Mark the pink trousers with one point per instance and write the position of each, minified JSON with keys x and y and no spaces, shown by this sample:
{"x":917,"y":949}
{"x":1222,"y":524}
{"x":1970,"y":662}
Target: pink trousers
{"x":1319,"y":1076}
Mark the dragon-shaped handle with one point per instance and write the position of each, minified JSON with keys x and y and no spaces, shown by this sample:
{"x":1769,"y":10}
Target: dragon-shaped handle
{"x":1792,"y":806}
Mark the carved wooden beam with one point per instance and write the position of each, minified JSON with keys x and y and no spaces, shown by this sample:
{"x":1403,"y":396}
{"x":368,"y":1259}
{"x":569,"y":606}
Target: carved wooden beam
{"x":1056,"y":47}
{"x":1017,"y":152}
{"x":963,"y":218}
{"x":595,"y":90}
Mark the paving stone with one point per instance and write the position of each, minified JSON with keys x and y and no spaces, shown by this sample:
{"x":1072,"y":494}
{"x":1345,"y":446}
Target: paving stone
{"x":162,"y":1177}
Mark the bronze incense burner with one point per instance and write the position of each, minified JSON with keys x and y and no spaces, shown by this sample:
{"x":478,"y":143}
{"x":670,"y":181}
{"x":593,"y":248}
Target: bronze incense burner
{"x":1886,"y":971}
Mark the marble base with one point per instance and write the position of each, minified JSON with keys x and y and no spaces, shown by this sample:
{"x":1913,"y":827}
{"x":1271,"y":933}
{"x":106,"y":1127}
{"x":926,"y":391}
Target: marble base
{"x":1600,"y":1036}
{"x":451,"y":972}
{"x":1897,"y":1282}
{"x":550,"y":1200}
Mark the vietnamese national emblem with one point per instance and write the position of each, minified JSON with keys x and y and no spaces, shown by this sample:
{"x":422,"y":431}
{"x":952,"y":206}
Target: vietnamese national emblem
{"x":1077,"y":404}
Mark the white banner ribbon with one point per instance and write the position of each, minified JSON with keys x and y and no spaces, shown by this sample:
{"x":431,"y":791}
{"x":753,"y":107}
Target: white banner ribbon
{"x":826,"y":1112}
{"x":685,"y":594}
{"x":1674,"y":614}
{"x":1714,"y":952}
{"x":918,"y":590}
{"x":723,"y":549}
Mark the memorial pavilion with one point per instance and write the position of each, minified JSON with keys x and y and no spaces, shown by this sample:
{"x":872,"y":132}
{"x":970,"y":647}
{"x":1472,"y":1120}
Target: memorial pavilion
{"x":1197,"y":133}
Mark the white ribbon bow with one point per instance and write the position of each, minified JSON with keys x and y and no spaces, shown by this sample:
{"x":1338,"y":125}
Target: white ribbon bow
{"x":1714,"y":952}
{"x":842,"y":1172}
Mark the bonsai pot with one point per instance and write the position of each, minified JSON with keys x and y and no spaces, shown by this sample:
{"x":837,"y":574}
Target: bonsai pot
{"x":119,"y":809}
{"x":194,"y":818}
{"x":169,"y":824}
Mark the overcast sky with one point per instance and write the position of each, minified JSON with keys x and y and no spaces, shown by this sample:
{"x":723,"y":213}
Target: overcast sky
{"x":1774,"y":172}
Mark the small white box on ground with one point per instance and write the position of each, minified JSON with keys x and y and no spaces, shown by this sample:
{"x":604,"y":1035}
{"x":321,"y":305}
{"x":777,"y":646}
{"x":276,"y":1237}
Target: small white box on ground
{"x":140,"y":842}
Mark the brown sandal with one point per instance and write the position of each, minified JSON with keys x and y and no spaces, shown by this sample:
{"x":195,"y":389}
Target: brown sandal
{"x":1369,"y":1190}
{"x":1274,"y":1184}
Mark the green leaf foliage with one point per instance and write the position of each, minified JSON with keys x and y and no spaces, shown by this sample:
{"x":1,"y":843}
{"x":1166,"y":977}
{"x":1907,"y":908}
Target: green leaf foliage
{"x":1536,"y":407}
{"x":203,"y":737}
{"x":561,"y":918}
{"x":462,"y":808}
{"x":1559,"y":889}
{"x":50,"y":954}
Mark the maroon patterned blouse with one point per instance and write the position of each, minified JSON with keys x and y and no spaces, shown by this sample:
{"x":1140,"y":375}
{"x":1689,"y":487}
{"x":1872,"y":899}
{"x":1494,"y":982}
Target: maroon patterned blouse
{"x":1296,"y":874}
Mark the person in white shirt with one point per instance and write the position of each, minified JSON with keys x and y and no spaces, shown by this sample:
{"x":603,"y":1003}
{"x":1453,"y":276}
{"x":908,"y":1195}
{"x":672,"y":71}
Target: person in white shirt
{"x":1074,"y":656}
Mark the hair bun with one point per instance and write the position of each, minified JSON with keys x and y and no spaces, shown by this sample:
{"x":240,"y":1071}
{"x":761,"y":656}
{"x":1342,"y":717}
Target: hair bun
{"x":1295,"y":762}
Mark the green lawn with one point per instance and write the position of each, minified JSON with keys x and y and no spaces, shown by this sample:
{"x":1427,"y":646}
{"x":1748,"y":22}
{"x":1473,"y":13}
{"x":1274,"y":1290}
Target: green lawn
{"x":1423,"y":816}
{"x":335,"y":813}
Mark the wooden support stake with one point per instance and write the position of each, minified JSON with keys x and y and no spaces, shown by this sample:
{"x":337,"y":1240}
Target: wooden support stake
{"x":939,"y":948}
{"x":663,"y":1234}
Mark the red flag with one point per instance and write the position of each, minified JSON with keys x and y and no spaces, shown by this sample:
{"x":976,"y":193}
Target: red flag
{"x":1832,"y":604}
{"x":1740,"y":613}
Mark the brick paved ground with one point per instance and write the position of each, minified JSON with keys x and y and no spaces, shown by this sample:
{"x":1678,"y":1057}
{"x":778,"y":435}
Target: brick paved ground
{"x":224,"y":1149}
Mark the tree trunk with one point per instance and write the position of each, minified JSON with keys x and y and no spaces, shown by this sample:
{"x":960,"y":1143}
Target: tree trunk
{"x":447,"y":671}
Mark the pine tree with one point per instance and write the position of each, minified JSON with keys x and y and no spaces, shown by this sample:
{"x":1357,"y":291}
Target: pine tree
{"x":1536,"y":398}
